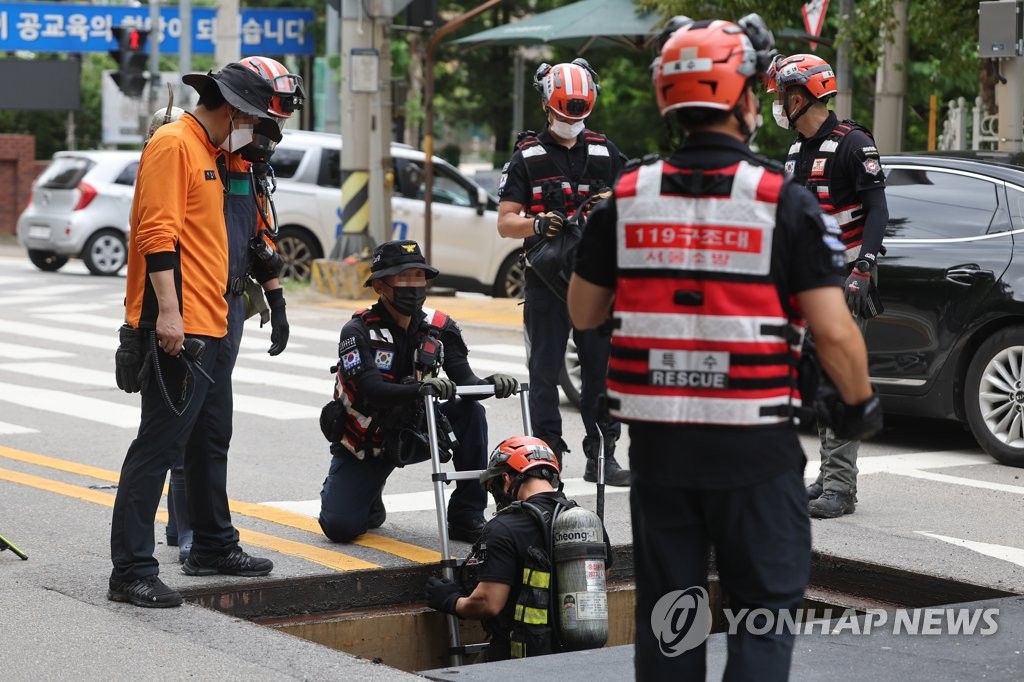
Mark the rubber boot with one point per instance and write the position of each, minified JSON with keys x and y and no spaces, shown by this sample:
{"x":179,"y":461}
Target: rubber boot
{"x":614,"y":474}
{"x":178,"y":502}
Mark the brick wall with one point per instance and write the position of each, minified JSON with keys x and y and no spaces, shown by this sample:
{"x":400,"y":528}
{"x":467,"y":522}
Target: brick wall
{"x":18,"y":168}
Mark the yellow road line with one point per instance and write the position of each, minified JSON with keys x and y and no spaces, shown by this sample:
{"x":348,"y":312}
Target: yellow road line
{"x":405,"y":550}
{"x":324,"y":557}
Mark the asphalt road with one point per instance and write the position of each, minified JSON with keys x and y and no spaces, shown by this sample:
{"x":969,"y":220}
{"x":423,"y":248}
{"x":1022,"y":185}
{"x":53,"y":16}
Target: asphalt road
{"x":930,"y":499}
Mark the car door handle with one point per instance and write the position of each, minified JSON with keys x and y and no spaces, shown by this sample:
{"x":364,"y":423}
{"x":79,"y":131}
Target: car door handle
{"x":966,"y":275}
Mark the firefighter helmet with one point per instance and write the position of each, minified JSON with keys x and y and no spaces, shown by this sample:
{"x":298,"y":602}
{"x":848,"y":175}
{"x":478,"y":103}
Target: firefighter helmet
{"x":519,"y":455}
{"x":808,"y":70}
{"x":288,"y":93}
{"x":570,"y":90}
{"x":708,"y":63}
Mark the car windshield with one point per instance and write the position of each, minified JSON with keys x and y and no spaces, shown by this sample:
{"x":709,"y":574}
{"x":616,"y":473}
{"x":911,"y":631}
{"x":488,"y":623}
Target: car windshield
{"x":65,"y":172}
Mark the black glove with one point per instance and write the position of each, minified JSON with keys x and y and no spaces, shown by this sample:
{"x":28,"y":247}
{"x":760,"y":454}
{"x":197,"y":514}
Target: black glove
{"x":278,"y":321}
{"x":858,"y":294}
{"x":131,"y":359}
{"x":850,"y":422}
{"x":504,"y":385}
{"x":442,"y":594}
{"x":265,"y":263}
{"x":548,"y":224}
{"x":439,"y":386}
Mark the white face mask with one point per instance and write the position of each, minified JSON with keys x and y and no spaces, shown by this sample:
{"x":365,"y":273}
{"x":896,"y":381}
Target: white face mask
{"x":237,"y":138}
{"x":779,"y":113}
{"x":567,"y":131}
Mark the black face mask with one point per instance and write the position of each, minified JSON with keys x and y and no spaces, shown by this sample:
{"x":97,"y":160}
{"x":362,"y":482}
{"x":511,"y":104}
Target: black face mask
{"x":408,"y":300}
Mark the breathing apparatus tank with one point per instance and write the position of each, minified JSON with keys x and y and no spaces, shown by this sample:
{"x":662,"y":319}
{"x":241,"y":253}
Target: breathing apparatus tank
{"x":582,"y":597}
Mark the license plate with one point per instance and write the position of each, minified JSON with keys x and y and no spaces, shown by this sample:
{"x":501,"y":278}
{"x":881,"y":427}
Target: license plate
{"x":39,"y":231}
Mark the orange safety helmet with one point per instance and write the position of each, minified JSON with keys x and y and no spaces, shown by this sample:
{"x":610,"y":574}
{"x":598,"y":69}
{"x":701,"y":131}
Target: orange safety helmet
{"x":289,"y":95}
{"x":519,"y":455}
{"x":569,"y":89}
{"x":708,"y":63}
{"x":808,"y":70}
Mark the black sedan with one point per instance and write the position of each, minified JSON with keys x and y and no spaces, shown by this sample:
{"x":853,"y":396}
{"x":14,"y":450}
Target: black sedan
{"x":950,"y":343}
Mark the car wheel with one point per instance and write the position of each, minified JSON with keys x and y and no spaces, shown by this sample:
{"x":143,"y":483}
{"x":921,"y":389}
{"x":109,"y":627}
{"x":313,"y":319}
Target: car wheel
{"x":47,"y":261}
{"x":105,"y":253}
{"x":298,"y":249}
{"x":994,"y":396}
{"x":570,"y":376}
{"x":511,"y":278}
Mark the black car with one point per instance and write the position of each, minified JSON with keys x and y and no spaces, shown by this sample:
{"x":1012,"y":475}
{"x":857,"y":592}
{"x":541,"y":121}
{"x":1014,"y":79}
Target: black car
{"x":950,"y":343}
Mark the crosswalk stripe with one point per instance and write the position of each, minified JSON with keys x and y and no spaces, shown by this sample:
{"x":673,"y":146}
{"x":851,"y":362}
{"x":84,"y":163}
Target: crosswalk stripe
{"x":321,"y":387}
{"x":16,"y":351}
{"x":82,"y":407}
{"x":13,"y":429}
{"x":61,"y":335}
{"x":504,"y":349}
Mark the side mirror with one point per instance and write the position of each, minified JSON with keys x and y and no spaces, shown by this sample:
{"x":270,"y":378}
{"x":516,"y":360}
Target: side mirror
{"x":481,"y":200}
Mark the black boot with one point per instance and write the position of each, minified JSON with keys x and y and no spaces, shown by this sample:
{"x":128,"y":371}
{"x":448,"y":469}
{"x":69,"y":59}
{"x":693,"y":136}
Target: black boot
{"x":613,"y":473}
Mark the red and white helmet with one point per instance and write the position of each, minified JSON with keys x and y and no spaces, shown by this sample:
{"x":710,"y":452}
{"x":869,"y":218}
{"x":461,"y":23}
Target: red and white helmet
{"x":808,"y":70}
{"x":570,"y":90}
{"x":708,"y":63}
{"x":288,"y":86}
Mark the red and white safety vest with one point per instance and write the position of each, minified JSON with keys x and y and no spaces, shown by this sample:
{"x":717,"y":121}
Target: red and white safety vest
{"x":702,"y":335}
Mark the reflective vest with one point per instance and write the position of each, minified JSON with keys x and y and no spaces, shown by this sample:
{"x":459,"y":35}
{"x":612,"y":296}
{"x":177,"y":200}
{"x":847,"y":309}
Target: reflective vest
{"x":551,"y":188}
{"x":702,"y":336}
{"x":844,"y":207}
{"x":362,"y":433}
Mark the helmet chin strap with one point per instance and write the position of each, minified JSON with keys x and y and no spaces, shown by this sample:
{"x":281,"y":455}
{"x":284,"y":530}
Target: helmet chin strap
{"x":793,"y":118}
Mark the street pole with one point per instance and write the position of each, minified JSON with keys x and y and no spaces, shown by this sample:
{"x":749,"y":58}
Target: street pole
{"x":185,"y":50}
{"x":154,"y":57}
{"x":428,"y":135}
{"x":227,"y":41}
{"x":891,"y":83}
{"x":844,"y":66}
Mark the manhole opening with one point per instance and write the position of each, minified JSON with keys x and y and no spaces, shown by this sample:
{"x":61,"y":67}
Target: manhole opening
{"x":379,"y":615}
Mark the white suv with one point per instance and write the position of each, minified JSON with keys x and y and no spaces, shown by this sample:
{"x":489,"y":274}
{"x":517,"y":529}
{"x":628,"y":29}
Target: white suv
{"x":79,"y":209}
{"x":466,"y":246}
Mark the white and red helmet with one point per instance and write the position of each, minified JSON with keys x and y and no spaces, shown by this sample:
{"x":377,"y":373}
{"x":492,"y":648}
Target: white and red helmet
{"x":289,"y":96}
{"x":570,"y":90}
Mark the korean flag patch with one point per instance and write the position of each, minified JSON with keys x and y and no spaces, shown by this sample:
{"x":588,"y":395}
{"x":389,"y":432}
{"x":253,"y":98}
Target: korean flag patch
{"x":384,"y":359}
{"x":351,"y":359}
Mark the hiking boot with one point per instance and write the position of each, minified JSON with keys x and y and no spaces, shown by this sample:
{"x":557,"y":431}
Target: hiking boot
{"x":466,"y":531}
{"x":814,"y":491}
{"x":150,"y":592}
{"x":614,"y":474}
{"x":236,"y":562}
{"x":832,"y":504}
{"x":377,"y":514}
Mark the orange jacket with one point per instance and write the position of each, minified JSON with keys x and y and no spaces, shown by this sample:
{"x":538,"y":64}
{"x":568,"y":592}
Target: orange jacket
{"x":177,"y":221}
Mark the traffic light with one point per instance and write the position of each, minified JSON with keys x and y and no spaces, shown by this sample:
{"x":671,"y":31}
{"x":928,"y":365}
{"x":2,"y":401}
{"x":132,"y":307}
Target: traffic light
{"x":131,"y":59}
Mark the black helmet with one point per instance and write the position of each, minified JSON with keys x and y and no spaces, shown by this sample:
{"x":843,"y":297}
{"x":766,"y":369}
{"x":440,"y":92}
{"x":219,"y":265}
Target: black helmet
{"x":242,"y":87}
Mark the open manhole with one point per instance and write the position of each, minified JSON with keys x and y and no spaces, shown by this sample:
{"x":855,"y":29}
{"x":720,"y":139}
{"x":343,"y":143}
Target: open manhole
{"x":379,"y":615}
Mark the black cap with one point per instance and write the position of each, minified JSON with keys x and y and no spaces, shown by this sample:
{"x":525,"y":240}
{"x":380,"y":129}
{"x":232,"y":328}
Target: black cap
{"x":391,"y":258}
{"x":243,"y":88}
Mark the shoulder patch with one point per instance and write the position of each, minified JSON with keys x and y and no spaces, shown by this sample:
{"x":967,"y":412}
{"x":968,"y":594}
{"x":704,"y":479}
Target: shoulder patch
{"x":872,"y":167}
{"x":790,"y":167}
{"x":384,"y":359}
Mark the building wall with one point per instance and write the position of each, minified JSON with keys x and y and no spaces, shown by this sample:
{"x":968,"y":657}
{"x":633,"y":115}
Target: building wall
{"x":18,"y":168}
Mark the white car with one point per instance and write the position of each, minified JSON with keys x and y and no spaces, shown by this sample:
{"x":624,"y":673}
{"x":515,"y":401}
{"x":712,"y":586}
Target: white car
{"x":79,"y":209}
{"x":466,"y":246}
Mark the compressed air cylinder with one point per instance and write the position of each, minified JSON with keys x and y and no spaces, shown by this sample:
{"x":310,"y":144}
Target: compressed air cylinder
{"x":582,"y":598}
